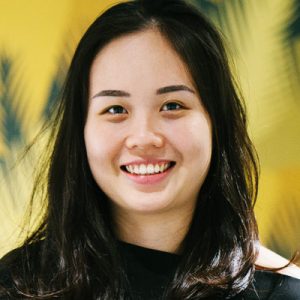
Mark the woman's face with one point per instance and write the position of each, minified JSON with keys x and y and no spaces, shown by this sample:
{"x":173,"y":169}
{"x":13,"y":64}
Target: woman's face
{"x":147,"y":135}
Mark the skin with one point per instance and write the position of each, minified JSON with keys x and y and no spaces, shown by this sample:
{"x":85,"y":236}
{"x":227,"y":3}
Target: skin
{"x":270,"y":259}
{"x":144,"y":126}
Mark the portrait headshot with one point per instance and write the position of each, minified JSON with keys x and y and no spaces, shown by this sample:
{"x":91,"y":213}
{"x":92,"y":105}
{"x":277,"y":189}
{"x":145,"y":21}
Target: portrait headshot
{"x":148,"y":175}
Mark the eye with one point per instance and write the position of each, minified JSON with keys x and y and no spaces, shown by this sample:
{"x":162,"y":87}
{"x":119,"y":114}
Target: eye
{"x":171,"y":106}
{"x":116,"y":110}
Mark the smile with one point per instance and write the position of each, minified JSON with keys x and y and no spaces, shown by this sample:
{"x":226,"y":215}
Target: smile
{"x":148,"y":169}
{"x":148,"y":173}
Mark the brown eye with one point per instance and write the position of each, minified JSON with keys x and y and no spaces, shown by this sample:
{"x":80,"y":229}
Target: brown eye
{"x":116,"y":110}
{"x":172,"y":106}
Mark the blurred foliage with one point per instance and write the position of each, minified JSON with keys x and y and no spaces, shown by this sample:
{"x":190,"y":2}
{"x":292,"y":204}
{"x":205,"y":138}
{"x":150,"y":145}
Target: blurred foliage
{"x":264,"y":41}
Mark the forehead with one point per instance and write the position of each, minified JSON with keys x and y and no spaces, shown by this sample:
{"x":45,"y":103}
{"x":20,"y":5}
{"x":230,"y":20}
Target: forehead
{"x":144,"y":57}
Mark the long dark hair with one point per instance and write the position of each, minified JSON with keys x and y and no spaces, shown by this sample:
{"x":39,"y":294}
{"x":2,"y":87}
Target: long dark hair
{"x":79,"y":258}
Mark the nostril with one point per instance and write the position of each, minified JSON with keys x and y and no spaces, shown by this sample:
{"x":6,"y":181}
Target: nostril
{"x":144,"y":141}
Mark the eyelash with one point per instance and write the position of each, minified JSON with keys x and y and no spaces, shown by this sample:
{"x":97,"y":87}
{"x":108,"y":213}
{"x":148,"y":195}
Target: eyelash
{"x":179,"y":107}
{"x":176,"y":103}
{"x":114,"y":106}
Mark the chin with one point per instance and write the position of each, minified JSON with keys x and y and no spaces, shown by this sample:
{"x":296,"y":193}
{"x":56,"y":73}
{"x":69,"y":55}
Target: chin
{"x":147,"y":207}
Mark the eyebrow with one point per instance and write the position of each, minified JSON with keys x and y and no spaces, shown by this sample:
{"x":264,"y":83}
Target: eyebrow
{"x":112,"y":93}
{"x":160,"y":91}
{"x":174,"y":88}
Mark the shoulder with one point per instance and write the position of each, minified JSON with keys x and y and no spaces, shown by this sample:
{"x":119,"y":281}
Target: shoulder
{"x":269,"y":283}
{"x":268,"y":259}
{"x":7,"y":263}
{"x":15,"y":260}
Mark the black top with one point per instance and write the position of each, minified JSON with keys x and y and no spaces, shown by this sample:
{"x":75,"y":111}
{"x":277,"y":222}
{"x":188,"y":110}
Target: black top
{"x":150,"y":271}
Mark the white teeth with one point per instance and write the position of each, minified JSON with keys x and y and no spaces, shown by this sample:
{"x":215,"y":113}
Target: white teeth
{"x":143,"y":169}
{"x":136,"y":169}
{"x":150,"y":169}
{"x":157,"y":168}
{"x":147,"y":169}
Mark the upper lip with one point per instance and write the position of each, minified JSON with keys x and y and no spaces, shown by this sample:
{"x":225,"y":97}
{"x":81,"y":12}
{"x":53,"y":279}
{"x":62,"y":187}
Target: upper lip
{"x":147,"y":161}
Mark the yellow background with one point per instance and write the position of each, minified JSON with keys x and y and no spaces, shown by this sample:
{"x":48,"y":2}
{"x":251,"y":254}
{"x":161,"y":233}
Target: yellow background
{"x":38,"y":37}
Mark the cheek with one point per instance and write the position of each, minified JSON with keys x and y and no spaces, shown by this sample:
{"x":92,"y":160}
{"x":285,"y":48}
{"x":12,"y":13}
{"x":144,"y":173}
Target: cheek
{"x":100,"y":144}
{"x":193,"y":140}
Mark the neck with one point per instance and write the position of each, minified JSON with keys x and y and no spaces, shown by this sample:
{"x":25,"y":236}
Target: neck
{"x":160,"y":232}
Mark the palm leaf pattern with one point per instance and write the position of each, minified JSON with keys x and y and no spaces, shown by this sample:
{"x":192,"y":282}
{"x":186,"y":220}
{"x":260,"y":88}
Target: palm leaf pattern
{"x":264,"y":37}
{"x":16,"y":174}
{"x":265,"y":41}
{"x":11,"y":116}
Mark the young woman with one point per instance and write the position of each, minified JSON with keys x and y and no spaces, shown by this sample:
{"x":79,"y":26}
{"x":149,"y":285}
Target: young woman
{"x":152,"y":177}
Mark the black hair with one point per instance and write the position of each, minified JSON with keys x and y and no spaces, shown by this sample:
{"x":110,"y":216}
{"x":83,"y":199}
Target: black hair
{"x":78,"y":240}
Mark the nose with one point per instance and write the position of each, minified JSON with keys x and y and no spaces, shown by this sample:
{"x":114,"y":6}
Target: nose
{"x":144,"y":135}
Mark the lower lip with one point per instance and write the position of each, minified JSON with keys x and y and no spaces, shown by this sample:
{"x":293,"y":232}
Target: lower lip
{"x":148,"y":179}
